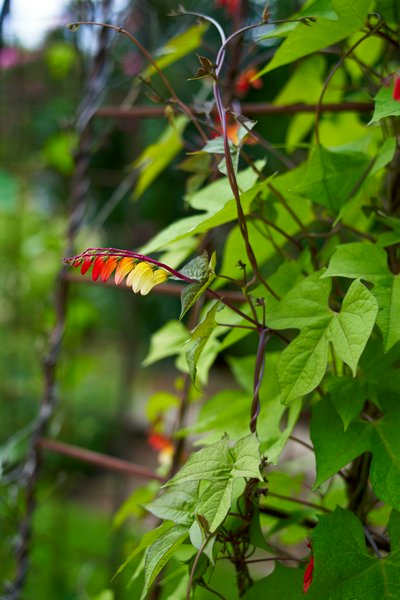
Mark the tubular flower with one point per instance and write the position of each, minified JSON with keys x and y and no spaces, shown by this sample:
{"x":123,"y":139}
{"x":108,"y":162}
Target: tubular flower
{"x":142,"y":272}
{"x":396,"y":89}
{"x":247,"y":80}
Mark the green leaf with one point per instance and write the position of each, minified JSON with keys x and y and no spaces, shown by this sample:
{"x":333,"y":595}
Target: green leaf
{"x":304,"y":40}
{"x":332,"y":177}
{"x":199,"y":339}
{"x":222,"y":460}
{"x":177,"y":503}
{"x":160,"y":552}
{"x":217,"y":205}
{"x":177,"y":47}
{"x":211,"y":463}
{"x":335,"y":448}
{"x":303,"y":363}
{"x":348,"y":397}
{"x":351,"y":571}
{"x":284,"y":582}
{"x":215,"y":503}
{"x":192,"y":292}
{"x":246,"y":454}
{"x":351,"y":327}
{"x":156,"y":157}
{"x":167,"y":341}
{"x":358,"y":261}
{"x":146,"y":540}
{"x":385,"y":105}
{"x":369,"y":262}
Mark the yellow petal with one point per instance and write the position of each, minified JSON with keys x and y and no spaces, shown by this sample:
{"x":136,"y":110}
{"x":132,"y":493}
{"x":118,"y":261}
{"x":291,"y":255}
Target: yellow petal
{"x":159,"y":276}
{"x":140,"y":274}
{"x":124,"y":267}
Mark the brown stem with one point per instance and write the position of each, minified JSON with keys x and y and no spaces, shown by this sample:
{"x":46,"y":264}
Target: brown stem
{"x":99,"y":459}
{"x":248,"y":108}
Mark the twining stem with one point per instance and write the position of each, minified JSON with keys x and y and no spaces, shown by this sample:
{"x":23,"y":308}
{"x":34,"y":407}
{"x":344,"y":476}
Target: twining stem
{"x":258,"y":376}
{"x":194,"y":566}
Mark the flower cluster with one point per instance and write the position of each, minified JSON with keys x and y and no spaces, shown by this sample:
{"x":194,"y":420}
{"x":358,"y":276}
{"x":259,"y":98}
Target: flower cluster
{"x":142,"y":273}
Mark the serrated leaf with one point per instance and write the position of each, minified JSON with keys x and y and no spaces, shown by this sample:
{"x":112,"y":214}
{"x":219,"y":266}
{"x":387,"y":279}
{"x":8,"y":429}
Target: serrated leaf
{"x":199,"y":338}
{"x":246,"y":453}
{"x":351,"y":571}
{"x":324,"y":32}
{"x":160,"y":552}
{"x":331,"y":177}
{"x":211,"y":463}
{"x":176,"y":503}
{"x":215,"y":503}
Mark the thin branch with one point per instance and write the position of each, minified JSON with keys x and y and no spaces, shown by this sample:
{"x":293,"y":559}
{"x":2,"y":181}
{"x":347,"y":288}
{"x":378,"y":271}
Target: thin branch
{"x":99,"y":459}
{"x":146,"y":111}
{"x":299,"y":501}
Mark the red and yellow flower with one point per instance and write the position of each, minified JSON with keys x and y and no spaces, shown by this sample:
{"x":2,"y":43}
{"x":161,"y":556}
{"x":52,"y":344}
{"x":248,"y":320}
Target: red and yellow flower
{"x":142,"y":273}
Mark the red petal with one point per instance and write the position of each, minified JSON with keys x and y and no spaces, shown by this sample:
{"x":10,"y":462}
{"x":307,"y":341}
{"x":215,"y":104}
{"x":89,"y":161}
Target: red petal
{"x":97,"y":267}
{"x":86,"y":264}
{"x":109,"y":266}
{"x":308,"y":575}
{"x":159,"y":442}
{"x":396,"y":89}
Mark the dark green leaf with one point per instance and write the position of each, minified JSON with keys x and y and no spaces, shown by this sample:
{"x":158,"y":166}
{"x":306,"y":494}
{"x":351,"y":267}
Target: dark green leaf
{"x":199,"y":339}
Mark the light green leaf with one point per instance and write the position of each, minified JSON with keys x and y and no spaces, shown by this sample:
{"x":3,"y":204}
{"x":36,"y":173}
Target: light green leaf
{"x":303,"y":363}
{"x":358,"y":261}
{"x":351,"y":328}
{"x":369,"y":262}
{"x":215,"y":503}
{"x":217,"y":205}
{"x":177,"y":47}
{"x":156,"y":157}
{"x":199,"y":339}
{"x":167,"y":341}
{"x":385,"y":105}
{"x":246,"y":453}
{"x":211,"y":463}
{"x":160,"y":552}
{"x":306,"y":304}
{"x":332,"y":177}
{"x":304,"y":40}
{"x":176,"y":503}
{"x":146,"y":540}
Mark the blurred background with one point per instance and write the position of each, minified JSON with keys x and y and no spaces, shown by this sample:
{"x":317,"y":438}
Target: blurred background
{"x":66,"y":183}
